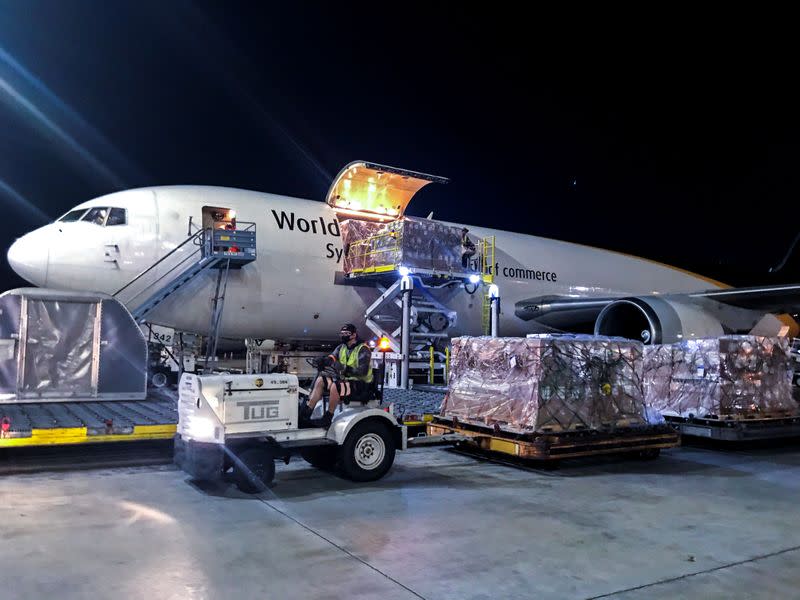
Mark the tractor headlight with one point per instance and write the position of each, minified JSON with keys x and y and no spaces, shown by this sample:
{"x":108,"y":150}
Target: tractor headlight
{"x":202,"y":429}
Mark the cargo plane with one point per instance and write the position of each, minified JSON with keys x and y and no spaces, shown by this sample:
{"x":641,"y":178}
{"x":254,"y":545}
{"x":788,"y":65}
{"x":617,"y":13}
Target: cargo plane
{"x":295,"y":291}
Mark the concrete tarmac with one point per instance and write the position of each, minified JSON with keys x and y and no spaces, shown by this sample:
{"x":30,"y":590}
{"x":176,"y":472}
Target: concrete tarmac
{"x":696,"y":523}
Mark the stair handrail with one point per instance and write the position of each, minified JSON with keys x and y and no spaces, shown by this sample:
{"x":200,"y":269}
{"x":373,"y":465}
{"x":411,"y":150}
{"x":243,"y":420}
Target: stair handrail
{"x":199,"y":234}
{"x":174,"y":269}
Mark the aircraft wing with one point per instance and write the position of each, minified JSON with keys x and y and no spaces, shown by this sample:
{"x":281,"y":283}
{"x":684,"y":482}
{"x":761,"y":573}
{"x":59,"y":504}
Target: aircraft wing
{"x":772,"y":298}
{"x":569,"y":312}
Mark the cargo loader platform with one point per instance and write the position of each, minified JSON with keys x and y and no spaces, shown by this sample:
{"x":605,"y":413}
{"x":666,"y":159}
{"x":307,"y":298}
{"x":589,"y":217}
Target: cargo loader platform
{"x":67,"y":423}
{"x":645,"y":440}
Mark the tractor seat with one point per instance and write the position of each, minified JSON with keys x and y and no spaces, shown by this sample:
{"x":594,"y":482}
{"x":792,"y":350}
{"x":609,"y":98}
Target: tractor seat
{"x":373,"y":392}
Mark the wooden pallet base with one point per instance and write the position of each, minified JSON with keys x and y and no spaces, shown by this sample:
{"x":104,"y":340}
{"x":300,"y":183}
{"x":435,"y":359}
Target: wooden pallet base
{"x":561,"y":445}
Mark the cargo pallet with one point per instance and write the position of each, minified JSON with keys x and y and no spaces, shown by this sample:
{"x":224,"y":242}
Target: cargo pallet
{"x":86,"y":422}
{"x":646,"y":440}
{"x":738,"y":428}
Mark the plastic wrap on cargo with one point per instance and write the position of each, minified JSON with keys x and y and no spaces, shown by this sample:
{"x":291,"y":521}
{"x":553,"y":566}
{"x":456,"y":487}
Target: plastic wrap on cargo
{"x":411,"y":242}
{"x":432,"y":245}
{"x":75,"y":345}
{"x":356,"y":235}
{"x":546,"y":383}
{"x":60,"y":349}
{"x":720,"y":377}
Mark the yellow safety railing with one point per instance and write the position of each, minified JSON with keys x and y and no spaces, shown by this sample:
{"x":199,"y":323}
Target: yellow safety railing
{"x":381,"y":252}
{"x":486,"y":312}
{"x":374,"y":254}
{"x":487,"y":272}
{"x":487,"y":259}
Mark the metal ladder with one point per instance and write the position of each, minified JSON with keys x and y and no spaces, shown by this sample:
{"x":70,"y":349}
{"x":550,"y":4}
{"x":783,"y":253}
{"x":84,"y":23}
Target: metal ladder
{"x":487,"y":275}
{"x":173,"y":277}
{"x":215,"y":249}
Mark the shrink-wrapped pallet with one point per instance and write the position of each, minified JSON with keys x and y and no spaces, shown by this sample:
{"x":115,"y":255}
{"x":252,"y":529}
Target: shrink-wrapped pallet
{"x":546,"y":383}
{"x":735,"y":375}
{"x":411,"y":242}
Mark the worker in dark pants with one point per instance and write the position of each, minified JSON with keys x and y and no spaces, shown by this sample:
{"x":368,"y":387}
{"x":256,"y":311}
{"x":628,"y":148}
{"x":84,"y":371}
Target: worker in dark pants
{"x":467,"y":248}
{"x":346,"y":374}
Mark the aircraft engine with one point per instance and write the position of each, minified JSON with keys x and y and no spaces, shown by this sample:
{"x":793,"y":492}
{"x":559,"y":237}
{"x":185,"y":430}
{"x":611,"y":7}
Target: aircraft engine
{"x":656,"y":320}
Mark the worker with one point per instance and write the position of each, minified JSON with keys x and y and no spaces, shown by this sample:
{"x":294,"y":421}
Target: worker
{"x":218,"y":218}
{"x":231,"y":226}
{"x":467,"y":248}
{"x":346,"y":374}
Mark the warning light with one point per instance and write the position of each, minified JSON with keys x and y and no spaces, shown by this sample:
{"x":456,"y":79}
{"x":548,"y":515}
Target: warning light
{"x":384,"y":345}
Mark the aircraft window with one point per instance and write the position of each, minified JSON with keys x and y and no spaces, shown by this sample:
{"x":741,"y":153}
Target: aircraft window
{"x":116,"y":217}
{"x":96,"y":216}
{"x":72,"y":215}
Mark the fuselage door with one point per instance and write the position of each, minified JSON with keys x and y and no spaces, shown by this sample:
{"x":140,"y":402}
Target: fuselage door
{"x":375,"y":192}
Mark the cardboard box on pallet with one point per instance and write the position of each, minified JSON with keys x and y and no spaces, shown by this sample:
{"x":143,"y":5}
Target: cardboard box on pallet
{"x":546,"y":383}
{"x":736,"y":375}
{"x":414,"y":243}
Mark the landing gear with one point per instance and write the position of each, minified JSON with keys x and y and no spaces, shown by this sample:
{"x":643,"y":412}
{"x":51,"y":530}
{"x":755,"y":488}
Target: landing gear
{"x":158,"y":380}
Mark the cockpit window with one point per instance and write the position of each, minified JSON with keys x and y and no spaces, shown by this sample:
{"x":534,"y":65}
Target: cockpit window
{"x":99,"y":215}
{"x":116,"y":217}
{"x":96,"y":216}
{"x":73,"y":215}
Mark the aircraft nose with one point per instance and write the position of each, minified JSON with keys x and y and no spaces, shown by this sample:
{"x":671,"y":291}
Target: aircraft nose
{"x":28,"y":256}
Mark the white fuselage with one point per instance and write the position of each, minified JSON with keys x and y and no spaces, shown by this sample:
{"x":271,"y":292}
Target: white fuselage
{"x":289,"y":293}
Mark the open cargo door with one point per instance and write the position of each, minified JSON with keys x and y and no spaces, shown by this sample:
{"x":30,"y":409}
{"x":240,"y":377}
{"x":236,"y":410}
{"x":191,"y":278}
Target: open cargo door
{"x":376,"y":192}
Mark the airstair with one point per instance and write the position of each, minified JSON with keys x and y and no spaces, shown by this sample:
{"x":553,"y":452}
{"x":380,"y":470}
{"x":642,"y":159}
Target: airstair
{"x":229,"y":247}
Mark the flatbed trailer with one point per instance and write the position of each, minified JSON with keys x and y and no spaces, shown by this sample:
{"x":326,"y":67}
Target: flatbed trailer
{"x":738,"y":428}
{"x":644,"y":440}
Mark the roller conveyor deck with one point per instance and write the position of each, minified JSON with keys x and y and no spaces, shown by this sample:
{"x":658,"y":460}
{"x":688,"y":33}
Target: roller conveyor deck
{"x":84,"y":422}
{"x":50,"y":423}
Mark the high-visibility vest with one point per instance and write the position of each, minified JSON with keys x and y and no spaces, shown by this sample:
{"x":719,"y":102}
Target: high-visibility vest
{"x":349,"y":358}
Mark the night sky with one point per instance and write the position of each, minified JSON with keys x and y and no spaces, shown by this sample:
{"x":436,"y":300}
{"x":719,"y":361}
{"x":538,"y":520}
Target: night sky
{"x":668,"y":136}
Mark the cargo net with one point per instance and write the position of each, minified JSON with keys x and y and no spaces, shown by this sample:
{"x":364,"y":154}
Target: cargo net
{"x":727,"y":377}
{"x":371,"y":247}
{"x":547,"y":383}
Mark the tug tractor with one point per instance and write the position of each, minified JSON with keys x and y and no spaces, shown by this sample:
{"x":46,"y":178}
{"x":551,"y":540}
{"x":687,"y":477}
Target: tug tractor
{"x":244,"y":423}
